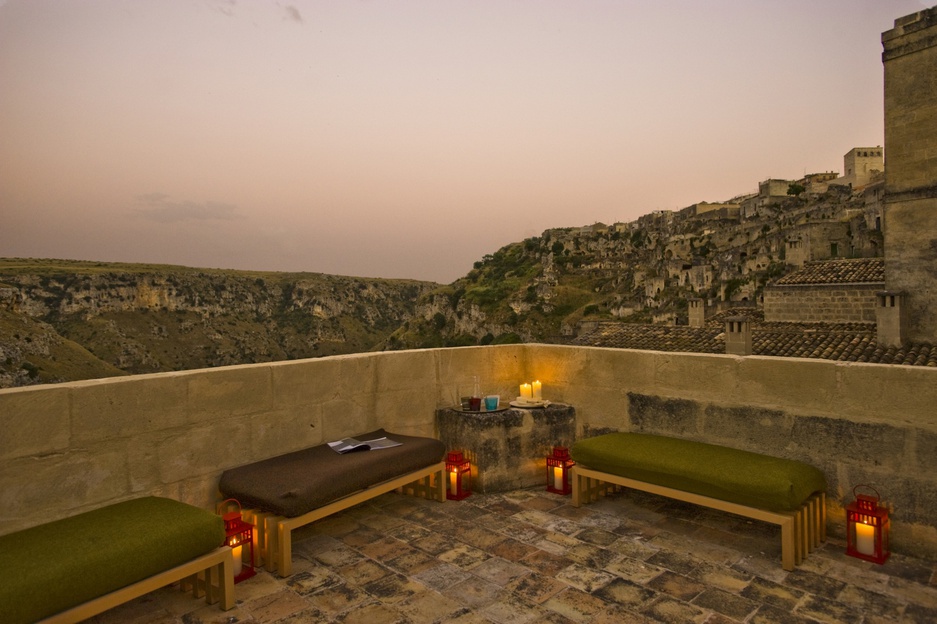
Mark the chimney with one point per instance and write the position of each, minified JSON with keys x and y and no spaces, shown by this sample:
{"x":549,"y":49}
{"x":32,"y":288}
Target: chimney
{"x":697,"y":313}
{"x":891,"y":318}
{"x":738,"y":336}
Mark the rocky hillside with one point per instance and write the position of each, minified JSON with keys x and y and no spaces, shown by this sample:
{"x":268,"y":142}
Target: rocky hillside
{"x":539,"y":289}
{"x":66,"y":320}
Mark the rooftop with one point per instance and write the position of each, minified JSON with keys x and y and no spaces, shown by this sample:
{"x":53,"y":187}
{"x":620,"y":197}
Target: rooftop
{"x":529,"y":556}
{"x":842,"y":271}
{"x":844,"y":342}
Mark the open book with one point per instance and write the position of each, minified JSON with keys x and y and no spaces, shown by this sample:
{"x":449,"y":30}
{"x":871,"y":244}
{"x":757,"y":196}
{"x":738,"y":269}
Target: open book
{"x":350,"y":445}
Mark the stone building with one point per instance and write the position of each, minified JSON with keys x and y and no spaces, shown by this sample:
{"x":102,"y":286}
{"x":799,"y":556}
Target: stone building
{"x":860,"y":166}
{"x":910,"y":59}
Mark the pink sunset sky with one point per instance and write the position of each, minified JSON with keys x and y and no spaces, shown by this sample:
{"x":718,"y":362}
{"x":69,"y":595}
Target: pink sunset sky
{"x":408,"y":138}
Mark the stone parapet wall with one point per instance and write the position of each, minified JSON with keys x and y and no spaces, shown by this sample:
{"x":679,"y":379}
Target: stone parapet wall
{"x":72,"y":447}
{"x":841,"y":303}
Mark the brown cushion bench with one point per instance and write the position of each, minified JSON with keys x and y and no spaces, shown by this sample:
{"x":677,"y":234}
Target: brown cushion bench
{"x":289,"y":491}
{"x":772,"y":489}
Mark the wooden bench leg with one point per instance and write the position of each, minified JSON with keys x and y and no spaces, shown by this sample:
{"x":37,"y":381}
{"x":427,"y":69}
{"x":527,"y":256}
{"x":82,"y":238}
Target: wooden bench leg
{"x":788,"y":545}
{"x":270,"y":538}
{"x":577,"y":488}
{"x":284,"y":550}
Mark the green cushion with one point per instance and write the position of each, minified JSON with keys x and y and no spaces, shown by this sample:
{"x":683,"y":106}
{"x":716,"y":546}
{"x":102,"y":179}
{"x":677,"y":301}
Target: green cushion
{"x":719,"y":472}
{"x":55,"y":566}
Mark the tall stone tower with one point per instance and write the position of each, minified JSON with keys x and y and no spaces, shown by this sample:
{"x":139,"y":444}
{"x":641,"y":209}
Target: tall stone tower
{"x":910,"y":59}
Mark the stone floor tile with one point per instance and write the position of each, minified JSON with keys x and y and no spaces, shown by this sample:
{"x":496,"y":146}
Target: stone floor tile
{"x":730,"y":605}
{"x":674,"y":611}
{"x":480,"y":537}
{"x":312,"y":544}
{"x":548,"y":521}
{"x":815,"y":584}
{"x":339,"y":556}
{"x":408,"y":531}
{"x":512,"y":550}
{"x":633,"y":570}
{"x":676,"y":585}
{"x":441,"y":577}
{"x":761,"y":567}
{"x":334,"y":600}
{"x":617,"y":614}
{"x":312,"y":580}
{"x":908,"y":569}
{"x":393,"y":588}
{"x":535,"y":587}
{"x":576,"y":514}
{"x":372,"y":613}
{"x":918,"y":614}
{"x":634,"y":547}
{"x":546,"y":562}
{"x":385,"y":523}
{"x":434,"y":543}
{"x":627,"y":594}
{"x":769,"y":614}
{"x":678,"y":562}
{"x":385,"y":548}
{"x":274,"y":607}
{"x":362,"y":572}
{"x":301,"y":617}
{"x":871,"y":603}
{"x":335,"y":526}
{"x":722,"y":577}
{"x":475,"y":593}
{"x":574,"y":604}
{"x":511,"y":610}
{"x":541,"y":503}
{"x":828,"y":611}
{"x":499,"y":571}
{"x":774,"y":594}
{"x":429,"y":606}
{"x":361,"y":536}
{"x":590,"y":555}
{"x":412,"y":562}
{"x":463,"y":556}
{"x":596,"y":536}
{"x":584,"y":578}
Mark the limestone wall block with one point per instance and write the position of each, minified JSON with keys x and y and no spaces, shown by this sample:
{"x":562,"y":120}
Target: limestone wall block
{"x":599,"y":408}
{"x":410,"y":412}
{"x":128,"y":406}
{"x":749,"y":428}
{"x":625,"y":370}
{"x":34,"y":421}
{"x":697,"y":376}
{"x":234,"y":390}
{"x":897,"y":394}
{"x":414,"y":371}
{"x":204,"y":450}
{"x":47,"y":488}
{"x":664,"y":415}
{"x":874,"y":445}
{"x":800,"y":385}
{"x":301,"y":383}
{"x":283,"y":431}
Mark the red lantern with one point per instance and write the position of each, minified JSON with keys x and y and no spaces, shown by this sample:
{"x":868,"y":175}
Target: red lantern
{"x":239,"y":535}
{"x":558,"y":465}
{"x":459,"y":470}
{"x":867,"y":527}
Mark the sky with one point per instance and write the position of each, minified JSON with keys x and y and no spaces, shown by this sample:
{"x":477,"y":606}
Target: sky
{"x":405,"y":138}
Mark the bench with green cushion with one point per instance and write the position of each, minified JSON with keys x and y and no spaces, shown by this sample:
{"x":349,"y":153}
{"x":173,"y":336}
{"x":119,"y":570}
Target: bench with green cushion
{"x":751,"y":484}
{"x":55,"y":567}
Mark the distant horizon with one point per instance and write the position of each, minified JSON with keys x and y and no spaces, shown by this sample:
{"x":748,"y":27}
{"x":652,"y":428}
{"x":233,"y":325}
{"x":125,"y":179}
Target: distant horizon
{"x":407,"y":140}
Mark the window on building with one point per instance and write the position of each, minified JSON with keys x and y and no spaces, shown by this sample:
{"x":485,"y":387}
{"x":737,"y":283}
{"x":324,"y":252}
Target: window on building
{"x":834,"y":250}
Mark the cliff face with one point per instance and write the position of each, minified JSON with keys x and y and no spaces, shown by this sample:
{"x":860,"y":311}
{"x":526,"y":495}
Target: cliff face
{"x":140,"y":319}
{"x":645,"y":271}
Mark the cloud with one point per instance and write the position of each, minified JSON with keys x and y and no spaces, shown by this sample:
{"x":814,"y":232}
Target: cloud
{"x":292,"y":13}
{"x":161,"y":208}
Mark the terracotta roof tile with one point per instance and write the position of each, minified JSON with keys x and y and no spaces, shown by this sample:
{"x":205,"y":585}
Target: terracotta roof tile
{"x":844,"y":342}
{"x":853,"y":271}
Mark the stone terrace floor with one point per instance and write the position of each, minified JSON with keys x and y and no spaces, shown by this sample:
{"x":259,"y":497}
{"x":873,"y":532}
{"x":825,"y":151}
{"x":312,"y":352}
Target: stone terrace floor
{"x":530,"y":556}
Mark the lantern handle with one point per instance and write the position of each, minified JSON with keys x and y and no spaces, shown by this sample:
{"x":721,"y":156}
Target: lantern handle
{"x":222,"y":504}
{"x":863,"y":485}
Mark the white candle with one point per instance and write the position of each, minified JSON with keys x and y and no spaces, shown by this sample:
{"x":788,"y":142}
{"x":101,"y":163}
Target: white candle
{"x":558,"y":478}
{"x":453,"y":483}
{"x":865,"y":538}
{"x":238,"y":563}
{"x":537,"y":390}
{"x":526,"y":391}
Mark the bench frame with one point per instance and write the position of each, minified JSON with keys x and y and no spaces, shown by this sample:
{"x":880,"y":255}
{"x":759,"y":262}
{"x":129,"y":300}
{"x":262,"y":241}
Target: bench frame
{"x":801,"y":531}
{"x":212,"y":574}
{"x":274,"y":539}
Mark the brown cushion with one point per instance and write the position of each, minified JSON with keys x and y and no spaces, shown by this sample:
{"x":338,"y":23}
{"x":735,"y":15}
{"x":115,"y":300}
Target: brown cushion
{"x":296,"y":483}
